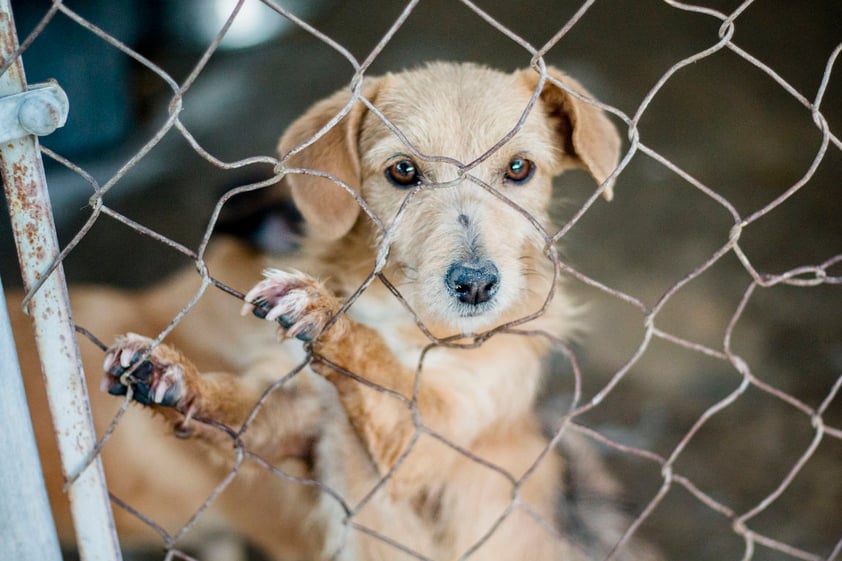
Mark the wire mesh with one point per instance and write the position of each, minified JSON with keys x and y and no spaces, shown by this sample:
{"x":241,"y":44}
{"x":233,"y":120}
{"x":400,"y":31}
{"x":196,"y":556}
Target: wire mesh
{"x":667,"y":466}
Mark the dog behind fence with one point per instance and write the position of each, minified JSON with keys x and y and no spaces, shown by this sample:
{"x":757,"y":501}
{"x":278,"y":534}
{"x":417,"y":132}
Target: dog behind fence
{"x":584,"y":398}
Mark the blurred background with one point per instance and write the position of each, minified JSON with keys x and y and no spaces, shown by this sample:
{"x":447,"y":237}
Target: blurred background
{"x":722,"y":120}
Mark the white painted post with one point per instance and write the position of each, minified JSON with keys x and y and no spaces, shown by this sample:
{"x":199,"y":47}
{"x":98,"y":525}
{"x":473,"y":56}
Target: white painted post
{"x":27,"y":532}
{"x":37,"y":246}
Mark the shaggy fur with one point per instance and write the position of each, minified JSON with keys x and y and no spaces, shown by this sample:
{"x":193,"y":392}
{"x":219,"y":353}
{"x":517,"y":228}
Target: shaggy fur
{"x":465,"y":259}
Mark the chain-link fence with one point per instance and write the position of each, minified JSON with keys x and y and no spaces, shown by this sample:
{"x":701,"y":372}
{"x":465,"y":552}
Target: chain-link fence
{"x":710,"y":368}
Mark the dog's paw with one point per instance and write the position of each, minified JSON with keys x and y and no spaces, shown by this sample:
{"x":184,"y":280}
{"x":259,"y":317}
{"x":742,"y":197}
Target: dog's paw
{"x":158,"y":379}
{"x":300,"y":304}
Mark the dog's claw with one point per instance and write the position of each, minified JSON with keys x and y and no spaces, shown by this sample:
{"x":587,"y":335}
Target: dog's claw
{"x":153,"y":381}
{"x":260,"y":307}
{"x":298,"y":303}
{"x":260,"y":311}
{"x":127,"y":357}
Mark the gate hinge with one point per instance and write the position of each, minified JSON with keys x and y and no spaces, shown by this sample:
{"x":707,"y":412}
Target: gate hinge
{"x":40,"y":110}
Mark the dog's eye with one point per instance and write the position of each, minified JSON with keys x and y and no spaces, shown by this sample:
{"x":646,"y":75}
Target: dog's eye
{"x":519,"y":170}
{"x":403,"y":173}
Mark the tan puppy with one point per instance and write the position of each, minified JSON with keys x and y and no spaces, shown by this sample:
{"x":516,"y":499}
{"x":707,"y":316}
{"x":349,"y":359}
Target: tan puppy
{"x":405,"y":449}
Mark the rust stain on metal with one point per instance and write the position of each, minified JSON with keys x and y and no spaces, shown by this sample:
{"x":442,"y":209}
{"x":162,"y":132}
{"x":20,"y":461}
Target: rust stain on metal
{"x":8,"y":39}
{"x":20,"y":169}
{"x":53,"y":115}
{"x":22,"y":190}
{"x":31,"y":233}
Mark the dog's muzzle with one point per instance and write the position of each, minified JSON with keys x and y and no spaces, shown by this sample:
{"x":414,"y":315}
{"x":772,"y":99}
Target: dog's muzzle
{"x":473,"y":283}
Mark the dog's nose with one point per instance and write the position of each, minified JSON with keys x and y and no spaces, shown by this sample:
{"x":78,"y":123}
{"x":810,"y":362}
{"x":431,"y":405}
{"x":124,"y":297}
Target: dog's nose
{"x":474,"y":282}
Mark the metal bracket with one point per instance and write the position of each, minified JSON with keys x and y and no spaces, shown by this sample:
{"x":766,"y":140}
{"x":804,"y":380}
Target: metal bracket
{"x":40,"y":110}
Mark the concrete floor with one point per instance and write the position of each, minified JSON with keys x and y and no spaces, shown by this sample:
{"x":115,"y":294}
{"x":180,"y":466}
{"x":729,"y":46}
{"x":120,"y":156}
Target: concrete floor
{"x":722,"y":120}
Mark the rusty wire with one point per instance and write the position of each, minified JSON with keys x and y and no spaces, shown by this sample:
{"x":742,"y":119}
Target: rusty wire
{"x":803,"y":276}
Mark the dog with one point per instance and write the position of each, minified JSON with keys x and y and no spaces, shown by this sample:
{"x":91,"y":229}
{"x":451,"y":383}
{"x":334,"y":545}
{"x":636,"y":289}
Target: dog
{"x":388,"y":411}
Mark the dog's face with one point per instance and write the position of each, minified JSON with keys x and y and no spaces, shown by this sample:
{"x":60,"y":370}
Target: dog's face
{"x":456,"y":203}
{"x":460,"y":253}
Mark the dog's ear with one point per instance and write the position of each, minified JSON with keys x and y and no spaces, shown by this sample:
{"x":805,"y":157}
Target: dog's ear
{"x":328,"y":209}
{"x":588,"y":136}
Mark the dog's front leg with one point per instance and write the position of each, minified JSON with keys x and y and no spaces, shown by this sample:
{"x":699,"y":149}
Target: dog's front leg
{"x":374,"y":387}
{"x":211,"y":407}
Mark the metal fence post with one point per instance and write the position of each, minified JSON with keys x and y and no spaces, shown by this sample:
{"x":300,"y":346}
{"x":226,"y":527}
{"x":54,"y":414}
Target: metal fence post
{"x":37,"y":246}
{"x":27,"y":531}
